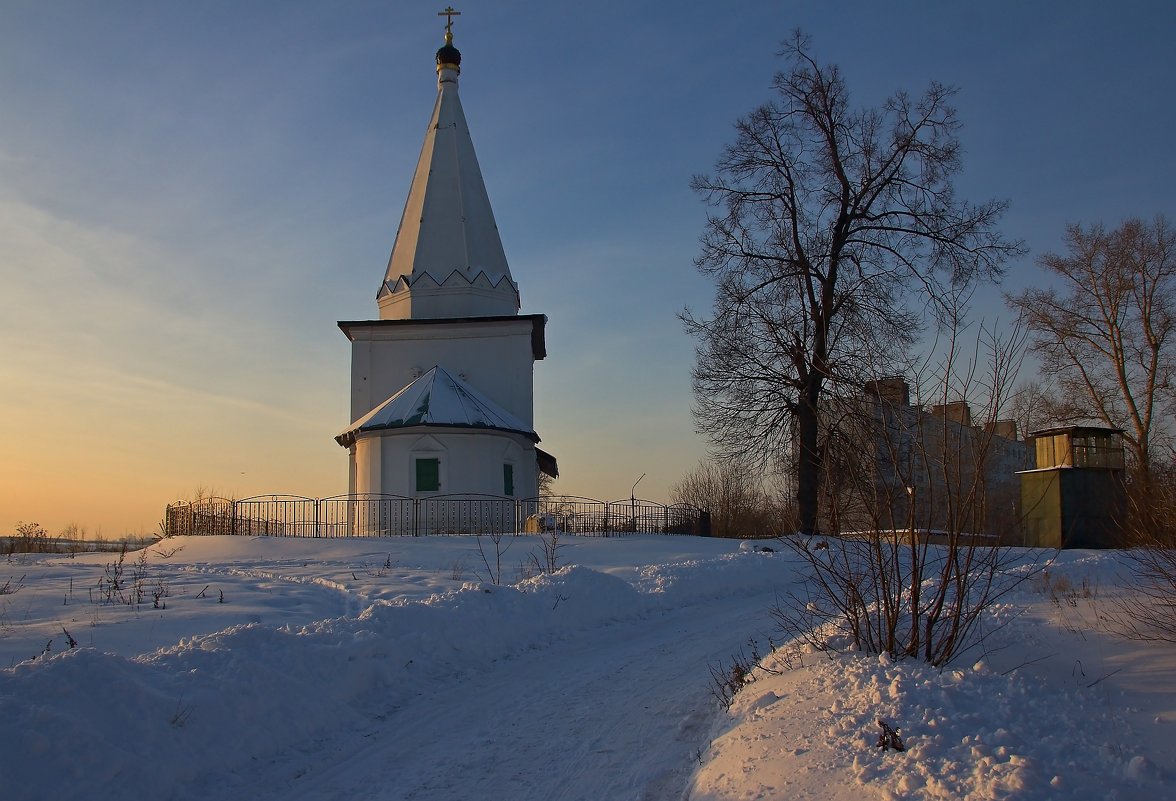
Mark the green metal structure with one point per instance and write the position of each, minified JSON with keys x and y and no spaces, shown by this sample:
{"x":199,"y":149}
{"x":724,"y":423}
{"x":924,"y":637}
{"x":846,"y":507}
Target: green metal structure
{"x":1075,"y":498}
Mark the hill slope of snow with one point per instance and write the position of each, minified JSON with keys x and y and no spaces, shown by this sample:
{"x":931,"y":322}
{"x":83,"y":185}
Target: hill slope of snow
{"x":386,"y":669}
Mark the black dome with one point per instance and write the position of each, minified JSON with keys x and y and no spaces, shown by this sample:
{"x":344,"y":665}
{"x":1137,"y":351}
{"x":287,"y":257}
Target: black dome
{"x":449,"y":54}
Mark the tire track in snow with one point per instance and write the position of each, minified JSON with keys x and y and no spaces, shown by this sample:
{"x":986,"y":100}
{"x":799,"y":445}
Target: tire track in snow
{"x":616,"y":712}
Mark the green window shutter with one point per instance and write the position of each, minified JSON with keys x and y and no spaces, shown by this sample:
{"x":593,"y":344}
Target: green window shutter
{"x":428,"y":475}
{"x":508,"y":479}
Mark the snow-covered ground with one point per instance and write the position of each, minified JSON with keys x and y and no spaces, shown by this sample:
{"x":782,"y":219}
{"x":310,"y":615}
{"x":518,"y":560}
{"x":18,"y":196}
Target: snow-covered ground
{"x":390,"y":669}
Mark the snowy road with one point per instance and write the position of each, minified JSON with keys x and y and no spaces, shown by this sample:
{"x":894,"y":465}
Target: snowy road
{"x":591,"y":683}
{"x":619,"y":712}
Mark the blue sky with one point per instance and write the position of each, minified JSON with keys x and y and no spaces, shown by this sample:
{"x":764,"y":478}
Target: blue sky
{"x":192,"y":194}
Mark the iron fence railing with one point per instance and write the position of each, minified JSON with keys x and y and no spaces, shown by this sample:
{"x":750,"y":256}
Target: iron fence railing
{"x":373,"y":515}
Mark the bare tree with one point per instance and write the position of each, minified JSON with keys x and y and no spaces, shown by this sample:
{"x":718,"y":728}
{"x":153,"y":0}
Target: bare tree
{"x":1031,"y":407}
{"x":835,"y":233}
{"x":1107,"y":336}
{"x":29,"y":538}
{"x":737,"y":497}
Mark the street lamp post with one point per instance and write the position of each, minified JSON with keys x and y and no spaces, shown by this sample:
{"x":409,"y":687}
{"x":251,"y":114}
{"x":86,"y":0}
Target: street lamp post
{"x":633,"y":502}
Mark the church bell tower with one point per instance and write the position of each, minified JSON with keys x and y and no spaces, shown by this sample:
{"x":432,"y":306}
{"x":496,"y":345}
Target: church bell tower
{"x":442,"y":384}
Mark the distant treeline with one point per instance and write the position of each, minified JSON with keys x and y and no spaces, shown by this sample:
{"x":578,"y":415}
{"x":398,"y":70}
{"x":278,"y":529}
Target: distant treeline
{"x":14,"y":545}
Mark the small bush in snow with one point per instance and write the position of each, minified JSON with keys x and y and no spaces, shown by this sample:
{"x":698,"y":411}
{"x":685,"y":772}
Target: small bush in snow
{"x":728,"y":680}
{"x":528,"y":569}
{"x":160,"y":591}
{"x":493,"y":574}
{"x":889,"y":738}
{"x":111,"y":585}
{"x":912,"y":560}
{"x":551,"y":549}
{"x":1061,"y":589}
{"x":30,"y":538}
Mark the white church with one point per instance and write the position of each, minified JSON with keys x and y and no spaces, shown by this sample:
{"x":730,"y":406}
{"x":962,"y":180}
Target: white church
{"x":442,"y":384}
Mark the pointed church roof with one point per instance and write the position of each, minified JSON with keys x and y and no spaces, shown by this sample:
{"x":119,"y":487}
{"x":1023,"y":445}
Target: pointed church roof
{"x":447,"y":225}
{"x":437,"y":398}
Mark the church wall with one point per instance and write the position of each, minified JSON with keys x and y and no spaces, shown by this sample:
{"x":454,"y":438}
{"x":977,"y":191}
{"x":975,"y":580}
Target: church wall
{"x":496,"y":360}
{"x":471,"y":461}
{"x":368,"y":465}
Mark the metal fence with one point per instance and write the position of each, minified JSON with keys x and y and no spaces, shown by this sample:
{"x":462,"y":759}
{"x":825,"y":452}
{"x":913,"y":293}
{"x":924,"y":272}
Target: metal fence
{"x":372,"y":515}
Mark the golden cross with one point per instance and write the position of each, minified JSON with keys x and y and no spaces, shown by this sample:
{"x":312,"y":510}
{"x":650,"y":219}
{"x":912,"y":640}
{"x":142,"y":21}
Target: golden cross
{"x":449,"y":14}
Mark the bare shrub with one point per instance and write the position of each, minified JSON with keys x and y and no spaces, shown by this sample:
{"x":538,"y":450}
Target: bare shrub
{"x":913,"y":559}
{"x":29,"y":538}
{"x":167,"y":553}
{"x":740,"y":501}
{"x":139,"y":579}
{"x":111,"y":587}
{"x":727,"y":680}
{"x":493,"y":563}
{"x":528,"y":569}
{"x":159,"y":592}
{"x":548,"y":561}
{"x":115,"y":586}
{"x":1148,"y":610}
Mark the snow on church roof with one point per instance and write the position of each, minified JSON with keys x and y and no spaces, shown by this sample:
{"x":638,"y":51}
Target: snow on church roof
{"x":437,"y":398}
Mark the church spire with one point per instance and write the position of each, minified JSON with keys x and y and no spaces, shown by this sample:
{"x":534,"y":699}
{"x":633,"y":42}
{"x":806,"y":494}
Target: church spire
{"x":448,"y":259}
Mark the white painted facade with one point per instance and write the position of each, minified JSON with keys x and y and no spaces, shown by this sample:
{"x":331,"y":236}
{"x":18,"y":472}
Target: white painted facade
{"x":470,"y":462}
{"x":447,"y":300}
{"x":496,"y":355}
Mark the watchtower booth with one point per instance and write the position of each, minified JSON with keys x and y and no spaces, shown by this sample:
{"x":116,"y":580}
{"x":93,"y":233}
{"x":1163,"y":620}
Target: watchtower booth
{"x":1075,"y":498}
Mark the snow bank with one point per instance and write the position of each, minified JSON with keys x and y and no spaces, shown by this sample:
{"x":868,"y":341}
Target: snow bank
{"x":218,"y":702}
{"x":320,"y":645}
{"x":1043,"y":710}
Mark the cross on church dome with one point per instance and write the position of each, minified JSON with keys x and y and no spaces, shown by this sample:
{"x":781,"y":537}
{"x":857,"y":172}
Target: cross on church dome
{"x":449,"y":14}
{"x":449,"y":57}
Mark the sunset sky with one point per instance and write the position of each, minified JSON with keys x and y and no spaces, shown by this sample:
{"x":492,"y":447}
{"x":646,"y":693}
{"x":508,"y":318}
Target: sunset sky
{"x":192,"y":194}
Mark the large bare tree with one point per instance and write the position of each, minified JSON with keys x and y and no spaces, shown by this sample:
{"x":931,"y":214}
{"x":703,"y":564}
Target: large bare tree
{"x":1106,"y":330}
{"x":834,"y":235}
